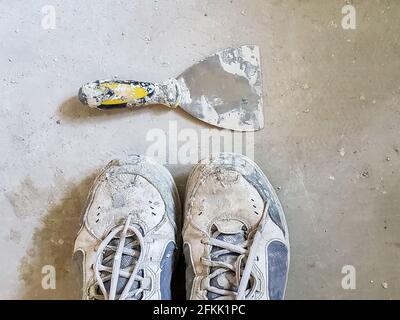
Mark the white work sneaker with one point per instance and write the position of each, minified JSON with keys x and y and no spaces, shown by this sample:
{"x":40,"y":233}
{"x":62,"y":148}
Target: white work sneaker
{"x":236,"y":241}
{"x":128,"y":235}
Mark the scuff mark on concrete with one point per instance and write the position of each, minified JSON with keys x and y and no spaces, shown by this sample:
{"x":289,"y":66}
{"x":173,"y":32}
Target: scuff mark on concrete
{"x":14,"y":236}
{"x":27,"y":200}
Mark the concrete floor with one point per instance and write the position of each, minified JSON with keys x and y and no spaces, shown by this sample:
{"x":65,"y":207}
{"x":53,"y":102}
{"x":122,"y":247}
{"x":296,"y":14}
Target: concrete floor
{"x":330,"y":146}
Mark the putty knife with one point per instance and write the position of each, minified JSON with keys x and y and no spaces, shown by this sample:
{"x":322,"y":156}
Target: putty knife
{"x":224,"y":90}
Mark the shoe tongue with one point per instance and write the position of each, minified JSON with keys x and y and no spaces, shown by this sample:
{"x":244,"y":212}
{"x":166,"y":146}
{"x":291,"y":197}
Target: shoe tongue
{"x":229,"y":226}
{"x":231,"y":231}
{"x":126,"y":261}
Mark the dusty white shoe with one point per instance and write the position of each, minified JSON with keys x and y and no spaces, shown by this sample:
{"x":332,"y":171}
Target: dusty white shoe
{"x":128,"y":236}
{"x":236,"y":241}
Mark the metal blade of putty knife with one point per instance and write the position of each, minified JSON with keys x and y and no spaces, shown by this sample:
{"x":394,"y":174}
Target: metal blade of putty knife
{"x":225,"y":89}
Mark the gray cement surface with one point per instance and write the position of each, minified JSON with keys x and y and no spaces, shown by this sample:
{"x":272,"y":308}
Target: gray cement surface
{"x":330,"y":146}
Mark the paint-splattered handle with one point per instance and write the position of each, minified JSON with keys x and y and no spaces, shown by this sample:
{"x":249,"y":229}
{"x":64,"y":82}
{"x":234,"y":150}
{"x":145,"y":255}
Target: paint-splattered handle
{"x":110,"y":94}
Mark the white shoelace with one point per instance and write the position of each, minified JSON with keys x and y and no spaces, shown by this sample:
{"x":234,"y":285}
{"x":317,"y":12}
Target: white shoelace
{"x":104,"y":273}
{"x":242,"y":278}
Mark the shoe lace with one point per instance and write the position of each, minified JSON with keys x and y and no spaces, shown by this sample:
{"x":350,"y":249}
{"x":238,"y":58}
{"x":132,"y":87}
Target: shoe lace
{"x":108,"y":268}
{"x":226,"y":260}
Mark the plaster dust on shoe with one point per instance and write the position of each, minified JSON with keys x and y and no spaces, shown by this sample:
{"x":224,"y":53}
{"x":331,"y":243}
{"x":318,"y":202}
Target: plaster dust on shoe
{"x":235,"y":236}
{"x":128,"y":236}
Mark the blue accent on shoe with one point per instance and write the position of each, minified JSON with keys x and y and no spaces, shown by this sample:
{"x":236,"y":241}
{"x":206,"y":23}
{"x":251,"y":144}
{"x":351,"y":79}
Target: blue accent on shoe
{"x":189,"y":270}
{"x":166,"y":265}
{"x":277,"y":268}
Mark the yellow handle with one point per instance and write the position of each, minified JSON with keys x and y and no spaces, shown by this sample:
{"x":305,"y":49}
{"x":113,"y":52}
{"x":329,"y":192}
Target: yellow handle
{"x":109,"y":94}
